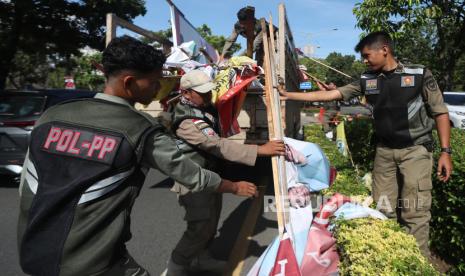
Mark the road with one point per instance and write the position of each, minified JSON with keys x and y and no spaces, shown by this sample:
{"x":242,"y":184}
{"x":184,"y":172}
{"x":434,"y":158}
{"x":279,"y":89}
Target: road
{"x":156,"y":227}
{"x":157,"y":222}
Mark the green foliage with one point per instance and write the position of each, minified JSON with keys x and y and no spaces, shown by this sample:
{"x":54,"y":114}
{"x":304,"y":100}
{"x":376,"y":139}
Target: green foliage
{"x":448,"y":207}
{"x":447,"y":237}
{"x":343,"y":63}
{"x":84,"y":73}
{"x":315,"y":70}
{"x":428,"y":32}
{"x":367,"y":246}
{"x":217,"y":41}
{"x":27,"y":68}
{"x":86,"y":76}
{"x":378,"y":247}
{"x":163,"y":34}
{"x":56,"y":28}
{"x":361,"y":143}
{"x":347,"y":181}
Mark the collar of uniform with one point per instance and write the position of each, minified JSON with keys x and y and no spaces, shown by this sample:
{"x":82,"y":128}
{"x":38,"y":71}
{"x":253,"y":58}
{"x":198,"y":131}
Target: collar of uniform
{"x":112,"y":98}
{"x":400,"y":67}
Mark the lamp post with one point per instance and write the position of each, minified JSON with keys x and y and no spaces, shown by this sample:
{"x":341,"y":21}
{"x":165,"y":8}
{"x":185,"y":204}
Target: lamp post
{"x":309,"y":49}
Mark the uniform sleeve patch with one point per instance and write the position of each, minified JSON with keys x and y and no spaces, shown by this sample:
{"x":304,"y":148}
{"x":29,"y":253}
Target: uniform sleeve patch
{"x":200,"y":124}
{"x":431,"y":84}
{"x":209,"y":132}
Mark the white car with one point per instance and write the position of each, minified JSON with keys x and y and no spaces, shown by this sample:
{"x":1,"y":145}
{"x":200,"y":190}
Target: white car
{"x":455,"y":102}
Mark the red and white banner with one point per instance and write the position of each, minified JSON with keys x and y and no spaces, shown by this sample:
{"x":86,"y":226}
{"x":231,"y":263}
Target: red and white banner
{"x":286,"y":263}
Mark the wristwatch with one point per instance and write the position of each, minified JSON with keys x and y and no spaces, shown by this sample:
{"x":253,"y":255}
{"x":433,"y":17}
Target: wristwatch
{"x":446,"y":150}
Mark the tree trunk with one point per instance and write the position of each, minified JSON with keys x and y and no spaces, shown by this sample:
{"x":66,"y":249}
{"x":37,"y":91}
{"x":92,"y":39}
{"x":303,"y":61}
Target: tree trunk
{"x":11,"y":46}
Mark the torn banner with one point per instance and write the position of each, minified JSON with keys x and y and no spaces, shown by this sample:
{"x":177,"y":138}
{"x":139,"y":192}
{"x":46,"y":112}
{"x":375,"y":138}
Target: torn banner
{"x":319,"y":255}
{"x":230,"y":92}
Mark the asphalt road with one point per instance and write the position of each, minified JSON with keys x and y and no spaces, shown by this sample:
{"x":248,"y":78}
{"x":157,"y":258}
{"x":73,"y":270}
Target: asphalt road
{"x":157,"y":225}
{"x":157,"y":222}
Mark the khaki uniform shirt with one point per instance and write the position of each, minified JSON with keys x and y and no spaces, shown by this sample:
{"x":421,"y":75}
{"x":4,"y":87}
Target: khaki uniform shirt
{"x":208,"y":140}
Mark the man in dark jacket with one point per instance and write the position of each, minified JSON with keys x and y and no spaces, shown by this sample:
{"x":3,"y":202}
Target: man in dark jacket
{"x":85,"y":166}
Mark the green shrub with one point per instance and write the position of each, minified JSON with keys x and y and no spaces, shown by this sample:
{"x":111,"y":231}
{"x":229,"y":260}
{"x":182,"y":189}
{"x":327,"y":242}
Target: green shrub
{"x":448,"y":207}
{"x":361,"y":142}
{"x":378,"y":247}
{"x":347,"y":181}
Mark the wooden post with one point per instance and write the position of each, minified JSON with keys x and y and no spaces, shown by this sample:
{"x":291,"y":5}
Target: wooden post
{"x":275,"y":132}
{"x":114,"y":21}
{"x":111,"y":28}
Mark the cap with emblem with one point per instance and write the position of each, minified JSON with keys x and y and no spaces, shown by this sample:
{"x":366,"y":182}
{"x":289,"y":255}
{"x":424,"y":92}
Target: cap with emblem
{"x":197,"y":80}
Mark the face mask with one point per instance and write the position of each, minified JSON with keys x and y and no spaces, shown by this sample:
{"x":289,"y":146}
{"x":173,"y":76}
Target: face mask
{"x":184,"y":100}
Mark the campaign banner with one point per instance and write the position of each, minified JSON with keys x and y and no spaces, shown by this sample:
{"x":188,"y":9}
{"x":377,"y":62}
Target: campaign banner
{"x":183,"y":31}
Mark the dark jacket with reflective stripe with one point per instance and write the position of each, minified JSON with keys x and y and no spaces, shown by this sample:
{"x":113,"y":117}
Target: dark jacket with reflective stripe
{"x":401,"y":118}
{"x":81,"y":182}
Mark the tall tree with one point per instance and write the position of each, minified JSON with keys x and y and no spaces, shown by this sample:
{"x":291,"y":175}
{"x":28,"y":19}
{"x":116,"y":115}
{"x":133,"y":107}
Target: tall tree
{"x":437,"y":26}
{"x":217,"y":41}
{"x":56,"y":27}
{"x":343,"y":63}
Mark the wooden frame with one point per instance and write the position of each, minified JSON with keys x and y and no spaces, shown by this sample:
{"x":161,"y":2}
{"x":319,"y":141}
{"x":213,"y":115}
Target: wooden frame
{"x":114,"y":21}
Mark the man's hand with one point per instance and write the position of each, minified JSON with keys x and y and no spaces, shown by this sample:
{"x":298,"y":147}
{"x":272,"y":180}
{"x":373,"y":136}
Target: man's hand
{"x":246,"y":189}
{"x":326,"y":87}
{"x":444,"y":167}
{"x":272,"y":148}
{"x":240,"y":188}
{"x":282,"y":91}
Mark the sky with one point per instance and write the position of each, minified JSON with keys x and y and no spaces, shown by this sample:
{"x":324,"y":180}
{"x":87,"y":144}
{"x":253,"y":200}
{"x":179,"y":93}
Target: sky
{"x":312,"y":21}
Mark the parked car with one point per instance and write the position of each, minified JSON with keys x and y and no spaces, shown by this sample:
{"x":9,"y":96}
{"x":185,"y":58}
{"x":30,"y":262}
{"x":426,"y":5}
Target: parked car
{"x":19,"y":110}
{"x":455,"y":102}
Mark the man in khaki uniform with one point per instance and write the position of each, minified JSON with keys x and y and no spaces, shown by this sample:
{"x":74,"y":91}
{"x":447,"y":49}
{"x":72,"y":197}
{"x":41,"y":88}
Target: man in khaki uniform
{"x":250,"y":28}
{"x":195,"y":124}
{"x":406,"y":102}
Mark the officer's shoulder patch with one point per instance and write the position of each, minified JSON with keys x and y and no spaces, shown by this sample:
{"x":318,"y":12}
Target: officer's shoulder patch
{"x":407,"y":81}
{"x":412,"y":70}
{"x":414,"y":66}
{"x":200,"y":124}
{"x":371,"y":84}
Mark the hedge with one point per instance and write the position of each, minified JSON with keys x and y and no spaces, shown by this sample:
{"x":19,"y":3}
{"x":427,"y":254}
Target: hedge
{"x":367,"y":246}
{"x":378,"y":247}
{"x":347,"y":181}
{"x":447,"y":233}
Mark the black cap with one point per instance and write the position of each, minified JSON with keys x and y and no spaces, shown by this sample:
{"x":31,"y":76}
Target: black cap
{"x":246,"y":13}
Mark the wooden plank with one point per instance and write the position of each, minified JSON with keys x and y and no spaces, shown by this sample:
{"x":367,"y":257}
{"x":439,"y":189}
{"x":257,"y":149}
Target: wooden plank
{"x":114,"y":21}
{"x":272,"y":129}
{"x":275,"y":74}
{"x":111,"y":28}
{"x":239,"y":251}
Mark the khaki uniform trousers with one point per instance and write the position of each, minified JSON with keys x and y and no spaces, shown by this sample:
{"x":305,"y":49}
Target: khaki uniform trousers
{"x":402,"y":189}
{"x":203,"y":210}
